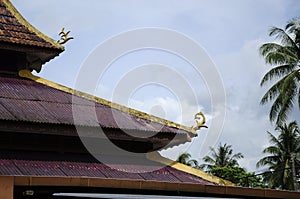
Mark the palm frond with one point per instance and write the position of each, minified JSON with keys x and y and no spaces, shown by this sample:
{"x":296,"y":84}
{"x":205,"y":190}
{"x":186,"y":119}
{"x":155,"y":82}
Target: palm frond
{"x":272,"y":150}
{"x":285,"y":91}
{"x":274,"y":140}
{"x":279,"y":155}
{"x":285,"y":56}
{"x":277,"y":72}
{"x":282,"y":36}
{"x":289,"y":91}
{"x":272,"y":93}
{"x":266,"y":161}
{"x":267,"y":48}
{"x":292,"y":25}
{"x":299,"y":95}
{"x":193,"y":163}
{"x":208,"y":159}
{"x":237,"y":156}
{"x":280,"y":58}
{"x":221,"y":157}
{"x":275,"y":108}
{"x":183,"y":158}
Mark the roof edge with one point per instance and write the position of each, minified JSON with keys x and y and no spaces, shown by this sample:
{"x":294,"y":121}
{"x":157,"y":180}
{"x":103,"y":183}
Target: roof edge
{"x":25,"y":73}
{"x":30,"y":27}
{"x":182,"y":189}
{"x":155,"y":156}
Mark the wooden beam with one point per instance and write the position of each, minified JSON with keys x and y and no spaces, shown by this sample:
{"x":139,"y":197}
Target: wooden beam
{"x":153,"y":186}
{"x":6,"y":187}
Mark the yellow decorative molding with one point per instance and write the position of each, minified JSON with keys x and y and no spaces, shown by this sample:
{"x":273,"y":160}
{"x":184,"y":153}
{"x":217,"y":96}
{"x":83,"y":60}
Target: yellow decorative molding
{"x":27,"y":74}
{"x":155,"y":156}
{"x":31,"y":28}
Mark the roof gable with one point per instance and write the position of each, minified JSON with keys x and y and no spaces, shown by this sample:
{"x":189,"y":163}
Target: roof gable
{"x":21,"y":45}
{"x":15,"y":29}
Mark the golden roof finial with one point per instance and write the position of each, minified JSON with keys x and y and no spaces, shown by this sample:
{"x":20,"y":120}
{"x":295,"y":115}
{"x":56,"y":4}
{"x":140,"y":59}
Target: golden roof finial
{"x":200,"y":121}
{"x":64,"y":36}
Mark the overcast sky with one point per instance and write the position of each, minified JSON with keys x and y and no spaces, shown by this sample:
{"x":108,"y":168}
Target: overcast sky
{"x":230,"y":32}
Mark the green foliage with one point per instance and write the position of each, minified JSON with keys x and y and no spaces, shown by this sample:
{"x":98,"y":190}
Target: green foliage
{"x":224,"y":164}
{"x":238,"y":176}
{"x":185,"y":159}
{"x":279,"y":159}
{"x":285,"y":57}
{"x":222,"y":157}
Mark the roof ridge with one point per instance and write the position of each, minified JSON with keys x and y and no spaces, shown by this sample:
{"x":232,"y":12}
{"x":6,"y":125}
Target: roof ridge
{"x":30,"y":27}
{"x":25,"y":73}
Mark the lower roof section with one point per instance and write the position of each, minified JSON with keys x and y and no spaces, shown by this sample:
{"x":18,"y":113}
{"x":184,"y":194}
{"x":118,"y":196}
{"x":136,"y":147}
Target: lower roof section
{"x":83,"y":165}
{"x":81,"y":173}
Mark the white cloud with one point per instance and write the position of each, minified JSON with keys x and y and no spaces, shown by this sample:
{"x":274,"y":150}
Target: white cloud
{"x":246,"y":120}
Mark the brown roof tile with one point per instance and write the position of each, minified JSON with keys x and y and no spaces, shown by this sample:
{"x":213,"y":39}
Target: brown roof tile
{"x":15,"y":29}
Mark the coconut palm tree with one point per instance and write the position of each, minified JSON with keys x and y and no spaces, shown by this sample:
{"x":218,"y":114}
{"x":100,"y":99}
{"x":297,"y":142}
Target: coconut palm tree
{"x":284,"y":56}
{"x":280,"y":158}
{"x":185,"y":159}
{"x":223,"y":157}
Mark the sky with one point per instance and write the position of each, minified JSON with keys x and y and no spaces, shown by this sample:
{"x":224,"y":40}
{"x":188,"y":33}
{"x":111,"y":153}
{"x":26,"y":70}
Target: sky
{"x":229,"y":34}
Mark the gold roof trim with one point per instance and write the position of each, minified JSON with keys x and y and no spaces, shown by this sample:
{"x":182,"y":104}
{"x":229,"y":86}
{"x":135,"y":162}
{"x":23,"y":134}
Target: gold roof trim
{"x":155,"y":156}
{"x":27,"y":74}
{"x":31,"y":28}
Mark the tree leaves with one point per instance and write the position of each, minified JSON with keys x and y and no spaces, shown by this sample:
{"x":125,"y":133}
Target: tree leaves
{"x":278,"y":157}
{"x":185,"y":159}
{"x":223,"y":163}
{"x":238,"y":176}
{"x":222,"y":157}
{"x":285,"y":59}
{"x":281,"y":35}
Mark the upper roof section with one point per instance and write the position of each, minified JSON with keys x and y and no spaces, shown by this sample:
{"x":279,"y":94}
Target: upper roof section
{"x":20,"y":39}
{"x":29,"y":99}
{"x":53,"y":91}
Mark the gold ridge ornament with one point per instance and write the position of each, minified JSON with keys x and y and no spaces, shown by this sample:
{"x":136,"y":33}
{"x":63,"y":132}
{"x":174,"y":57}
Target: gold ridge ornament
{"x":200,"y":121}
{"x":64,"y":36}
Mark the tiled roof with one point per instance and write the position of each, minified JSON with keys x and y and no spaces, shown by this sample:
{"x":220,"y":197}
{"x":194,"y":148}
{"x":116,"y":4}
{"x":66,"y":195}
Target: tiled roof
{"x":30,"y":101}
{"x":15,"y":29}
{"x":34,"y":164}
